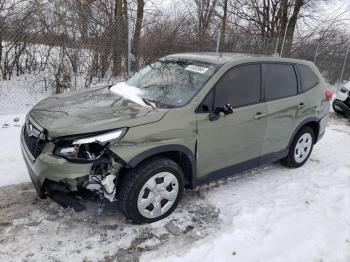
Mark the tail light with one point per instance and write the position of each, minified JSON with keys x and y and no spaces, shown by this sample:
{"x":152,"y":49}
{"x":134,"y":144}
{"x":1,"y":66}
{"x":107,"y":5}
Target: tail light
{"x":329,"y":95}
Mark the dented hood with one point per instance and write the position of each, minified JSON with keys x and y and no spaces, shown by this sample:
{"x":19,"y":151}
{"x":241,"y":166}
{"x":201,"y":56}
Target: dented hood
{"x":90,"y":111}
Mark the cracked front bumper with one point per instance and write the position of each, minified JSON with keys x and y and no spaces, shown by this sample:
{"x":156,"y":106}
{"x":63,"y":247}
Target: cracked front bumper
{"x":50,"y":167}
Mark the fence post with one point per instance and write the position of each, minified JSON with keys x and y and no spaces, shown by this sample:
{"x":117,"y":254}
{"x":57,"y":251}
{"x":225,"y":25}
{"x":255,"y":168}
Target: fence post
{"x":284,"y":39}
{"x":218,"y":41}
{"x":129,"y":46}
{"x":277,"y":43}
{"x":316,"y":53}
{"x":344,"y":64}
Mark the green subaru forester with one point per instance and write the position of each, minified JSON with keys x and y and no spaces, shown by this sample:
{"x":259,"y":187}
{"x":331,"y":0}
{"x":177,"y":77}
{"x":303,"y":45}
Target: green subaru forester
{"x":184,"y":120}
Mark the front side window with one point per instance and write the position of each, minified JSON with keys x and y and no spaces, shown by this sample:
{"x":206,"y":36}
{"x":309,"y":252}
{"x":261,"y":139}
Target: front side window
{"x":239,"y":86}
{"x":307,"y":77}
{"x":207,"y":104}
{"x":169,"y":83}
{"x":281,"y":81}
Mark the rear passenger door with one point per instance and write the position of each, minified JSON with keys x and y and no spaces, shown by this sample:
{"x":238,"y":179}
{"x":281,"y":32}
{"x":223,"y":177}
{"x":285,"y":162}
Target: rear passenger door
{"x":286,"y":105}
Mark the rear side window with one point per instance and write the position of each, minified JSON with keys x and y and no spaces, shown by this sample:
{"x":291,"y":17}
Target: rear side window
{"x":281,"y":81}
{"x":239,"y":86}
{"x":308,"y":77}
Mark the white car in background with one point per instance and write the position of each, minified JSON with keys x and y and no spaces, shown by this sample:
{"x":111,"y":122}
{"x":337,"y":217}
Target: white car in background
{"x":341,"y":103}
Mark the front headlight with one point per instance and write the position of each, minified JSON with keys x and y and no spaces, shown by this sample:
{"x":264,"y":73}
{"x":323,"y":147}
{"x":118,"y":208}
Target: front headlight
{"x":87,"y":148}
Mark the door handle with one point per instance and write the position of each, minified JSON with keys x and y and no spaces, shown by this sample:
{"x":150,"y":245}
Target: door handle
{"x":259,"y":115}
{"x":301,"y":105}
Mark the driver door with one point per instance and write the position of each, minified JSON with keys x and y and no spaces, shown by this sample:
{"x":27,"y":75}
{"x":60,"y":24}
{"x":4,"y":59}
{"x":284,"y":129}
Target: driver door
{"x":232,"y":142}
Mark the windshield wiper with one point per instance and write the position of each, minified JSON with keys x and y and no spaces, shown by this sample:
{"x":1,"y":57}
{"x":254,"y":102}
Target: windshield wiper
{"x":149,"y":102}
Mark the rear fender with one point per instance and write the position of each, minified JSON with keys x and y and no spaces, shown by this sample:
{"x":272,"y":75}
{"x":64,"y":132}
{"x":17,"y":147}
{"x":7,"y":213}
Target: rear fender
{"x":309,"y":120}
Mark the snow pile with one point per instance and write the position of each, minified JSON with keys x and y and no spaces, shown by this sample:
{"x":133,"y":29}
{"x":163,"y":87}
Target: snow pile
{"x":12,"y":167}
{"x":129,"y":92}
{"x":21,"y":93}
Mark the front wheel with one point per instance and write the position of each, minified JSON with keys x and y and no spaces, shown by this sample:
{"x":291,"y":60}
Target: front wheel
{"x":151,"y":191}
{"x":301,"y":148}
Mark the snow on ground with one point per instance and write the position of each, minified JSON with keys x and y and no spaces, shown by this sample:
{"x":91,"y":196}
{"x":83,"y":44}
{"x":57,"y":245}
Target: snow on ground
{"x":21,"y":93}
{"x":268,"y":214}
{"x":11,"y":163}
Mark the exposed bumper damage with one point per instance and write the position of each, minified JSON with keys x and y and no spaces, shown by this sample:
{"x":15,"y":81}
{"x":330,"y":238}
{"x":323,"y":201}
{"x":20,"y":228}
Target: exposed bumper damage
{"x":99,"y":184}
{"x":66,"y":182}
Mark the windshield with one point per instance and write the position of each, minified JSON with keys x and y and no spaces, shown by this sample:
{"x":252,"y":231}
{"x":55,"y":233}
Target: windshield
{"x":166,"y":83}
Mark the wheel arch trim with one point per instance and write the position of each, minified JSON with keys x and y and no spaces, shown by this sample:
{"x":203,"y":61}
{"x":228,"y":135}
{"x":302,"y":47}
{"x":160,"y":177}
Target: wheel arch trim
{"x":164,"y":149}
{"x":306,"y":121}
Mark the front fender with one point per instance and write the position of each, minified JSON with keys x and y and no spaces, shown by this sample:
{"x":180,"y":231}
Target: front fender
{"x":163,"y":149}
{"x":175,"y":132}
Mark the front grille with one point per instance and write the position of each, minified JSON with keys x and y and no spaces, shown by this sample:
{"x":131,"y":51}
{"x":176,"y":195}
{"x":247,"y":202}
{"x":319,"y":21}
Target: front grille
{"x":34,"y":144}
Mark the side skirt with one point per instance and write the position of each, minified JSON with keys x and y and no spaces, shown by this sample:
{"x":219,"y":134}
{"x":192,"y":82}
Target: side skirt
{"x":238,"y":168}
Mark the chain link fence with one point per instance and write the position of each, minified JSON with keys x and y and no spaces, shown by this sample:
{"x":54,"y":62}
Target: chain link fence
{"x":35,"y":65}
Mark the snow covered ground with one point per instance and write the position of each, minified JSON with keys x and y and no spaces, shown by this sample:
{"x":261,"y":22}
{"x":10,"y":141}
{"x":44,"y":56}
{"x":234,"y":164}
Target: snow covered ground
{"x":12,"y":166}
{"x":268,"y":214}
{"x":21,"y":93}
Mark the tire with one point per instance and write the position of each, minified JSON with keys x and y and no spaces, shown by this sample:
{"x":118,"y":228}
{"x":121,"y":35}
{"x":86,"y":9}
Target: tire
{"x":336,"y":109}
{"x":300,"y":148}
{"x":158,"y":179}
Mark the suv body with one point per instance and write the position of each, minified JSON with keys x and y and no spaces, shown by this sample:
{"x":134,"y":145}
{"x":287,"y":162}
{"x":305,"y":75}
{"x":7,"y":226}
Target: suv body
{"x":248,"y":111}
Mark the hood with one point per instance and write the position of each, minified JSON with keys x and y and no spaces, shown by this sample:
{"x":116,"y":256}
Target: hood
{"x":90,"y":111}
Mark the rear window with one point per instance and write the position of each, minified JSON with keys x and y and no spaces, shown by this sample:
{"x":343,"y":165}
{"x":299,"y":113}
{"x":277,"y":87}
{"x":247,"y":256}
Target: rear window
{"x":308,"y":77}
{"x":281,"y":81}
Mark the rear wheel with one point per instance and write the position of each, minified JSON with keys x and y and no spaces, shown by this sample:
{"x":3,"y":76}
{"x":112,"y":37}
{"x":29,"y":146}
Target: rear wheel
{"x":151,"y":191}
{"x":301,"y":148}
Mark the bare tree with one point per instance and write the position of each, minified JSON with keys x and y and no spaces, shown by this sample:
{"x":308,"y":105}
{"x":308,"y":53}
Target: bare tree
{"x":271,"y":18}
{"x":205,"y":12}
{"x":137,"y":32}
{"x":119,"y":34}
{"x":223,"y":23}
{"x":292,"y":21}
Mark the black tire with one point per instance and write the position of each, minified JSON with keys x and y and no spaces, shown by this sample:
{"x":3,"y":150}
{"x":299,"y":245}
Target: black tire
{"x":338,"y":111}
{"x":290,"y":160}
{"x":132,"y":182}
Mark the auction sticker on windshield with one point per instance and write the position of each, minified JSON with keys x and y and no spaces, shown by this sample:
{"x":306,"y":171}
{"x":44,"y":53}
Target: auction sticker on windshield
{"x":196,"y":69}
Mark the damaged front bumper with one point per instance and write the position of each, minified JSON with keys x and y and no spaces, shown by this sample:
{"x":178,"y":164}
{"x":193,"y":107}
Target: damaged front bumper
{"x":50,"y":167}
{"x":57,"y":177}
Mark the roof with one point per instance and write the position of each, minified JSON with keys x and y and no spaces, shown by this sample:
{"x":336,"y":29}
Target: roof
{"x":222,"y":58}
{"x":208,"y":57}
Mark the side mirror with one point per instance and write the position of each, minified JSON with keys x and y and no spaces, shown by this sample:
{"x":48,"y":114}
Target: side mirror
{"x":226,"y":109}
{"x":214,"y":116}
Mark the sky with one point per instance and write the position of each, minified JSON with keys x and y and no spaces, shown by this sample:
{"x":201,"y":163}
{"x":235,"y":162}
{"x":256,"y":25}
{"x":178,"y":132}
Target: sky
{"x":327,"y":9}
{"x":332,"y":8}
